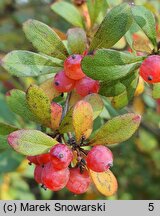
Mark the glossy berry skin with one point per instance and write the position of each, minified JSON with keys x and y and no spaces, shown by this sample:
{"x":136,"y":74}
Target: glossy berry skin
{"x":78,"y":182}
{"x":87,"y":86}
{"x":62,"y":83}
{"x":33,"y":159}
{"x":61,"y":156}
{"x":99,"y":158}
{"x":72,"y":67}
{"x":54,"y":179}
{"x":43,"y":158}
{"x":38,"y":174}
{"x":150,"y":69}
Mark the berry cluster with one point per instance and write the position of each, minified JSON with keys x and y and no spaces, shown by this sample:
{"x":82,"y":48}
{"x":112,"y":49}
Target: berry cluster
{"x":73,"y":77}
{"x":55,"y":170}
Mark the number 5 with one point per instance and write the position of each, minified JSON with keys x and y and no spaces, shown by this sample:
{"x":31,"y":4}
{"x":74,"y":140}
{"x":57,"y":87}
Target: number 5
{"x":151,"y":206}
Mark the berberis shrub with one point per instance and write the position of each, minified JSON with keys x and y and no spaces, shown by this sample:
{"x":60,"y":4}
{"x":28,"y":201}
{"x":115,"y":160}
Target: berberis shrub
{"x":79,"y":73}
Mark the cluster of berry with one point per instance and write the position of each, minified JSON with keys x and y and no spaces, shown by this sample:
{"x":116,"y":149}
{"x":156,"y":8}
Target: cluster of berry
{"x":73,"y":77}
{"x":54,"y":169}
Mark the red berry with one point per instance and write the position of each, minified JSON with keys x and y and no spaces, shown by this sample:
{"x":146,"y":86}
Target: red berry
{"x":87,"y":86}
{"x":72,"y":67}
{"x":54,"y":179}
{"x":33,"y":159}
{"x":43,"y":158}
{"x":61,"y":156}
{"x":78,"y":182}
{"x":150,"y":69}
{"x":38,"y":174}
{"x":63,"y":83}
{"x":99,"y":159}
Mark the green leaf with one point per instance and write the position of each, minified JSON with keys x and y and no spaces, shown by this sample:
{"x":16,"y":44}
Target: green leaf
{"x":124,"y":98}
{"x":109,"y":65}
{"x":44,"y":39}
{"x":82,"y":119}
{"x":16,"y":101}
{"x":95,"y":7}
{"x":6,"y":115}
{"x":3,"y":143}
{"x":96,"y":103}
{"x":10,"y":160}
{"x":24,"y":63}
{"x":39,"y":104}
{"x":6,"y":129}
{"x":146,"y":21}
{"x":69,"y":12}
{"x":117,"y":130}
{"x":30,"y":142}
{"x":113,"y":27}
{"x":111,"y":89}
{"x":77,"y":40}
{"x":156,"y":91}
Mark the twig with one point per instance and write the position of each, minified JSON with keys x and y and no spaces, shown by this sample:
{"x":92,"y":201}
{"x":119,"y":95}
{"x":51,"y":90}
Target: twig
{"x":66,"y":106}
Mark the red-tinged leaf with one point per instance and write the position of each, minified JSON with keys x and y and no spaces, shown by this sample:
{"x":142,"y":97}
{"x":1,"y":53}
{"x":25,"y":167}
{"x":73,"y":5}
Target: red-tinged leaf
{"x":49,"y":88}
{"x":117,"y":130}
{"x":105,"y":182}
{"x":56,"y":115}
{"x":30,"y":142}
{"x":82,"y":119}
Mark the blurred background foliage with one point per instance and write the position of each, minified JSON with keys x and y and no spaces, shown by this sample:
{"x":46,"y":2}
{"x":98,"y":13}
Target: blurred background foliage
{"x":136,"y":162}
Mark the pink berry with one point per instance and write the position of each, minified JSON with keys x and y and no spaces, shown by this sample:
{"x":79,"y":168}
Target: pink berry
{"x":61,"y":156}
{"x":87,"y":86}
{"x":38,"y":174}
{"x":99,"y":159}
{"x":150,"y":69}
{"x":78,"y":182}
{"x":54,"y":179}
{"x":72,"y":67}
{"x":62,"y":83}
{"x":43,"y":158}
{"x":33,"y":159}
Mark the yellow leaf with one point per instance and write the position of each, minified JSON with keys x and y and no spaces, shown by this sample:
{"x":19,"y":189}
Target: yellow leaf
{"x":49,"y":88}
{"x":105,"y":182}
{"x":39,"y":104}
{"x":82,"y":119}
{"x":140,"y":87}
{"x":138,"y":105}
